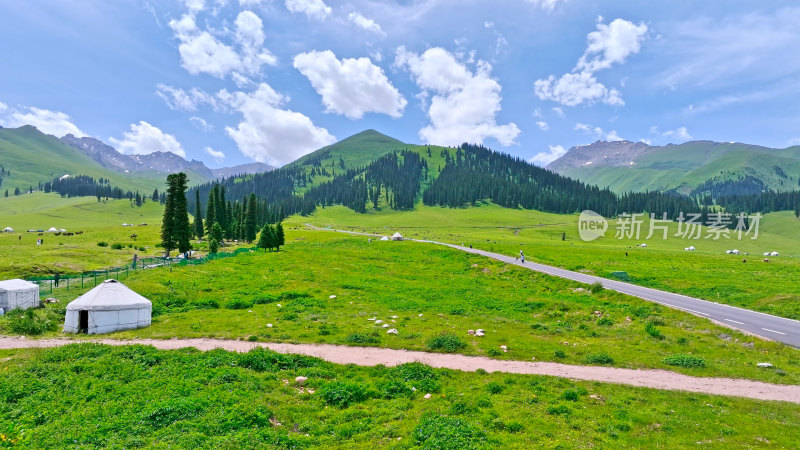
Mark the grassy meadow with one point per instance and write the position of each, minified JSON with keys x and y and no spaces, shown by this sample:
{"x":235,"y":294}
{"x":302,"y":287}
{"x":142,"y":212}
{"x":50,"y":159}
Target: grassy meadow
{"x":425,"y":292}
{"x":72,"y":397}
{"x":707,"y":273}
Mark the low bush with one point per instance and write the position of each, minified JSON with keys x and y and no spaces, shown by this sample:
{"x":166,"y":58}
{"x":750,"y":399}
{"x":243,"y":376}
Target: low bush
{"x":418,"y":375}
{"x":448,"y":343}
{"x":361,"y":338}
{"x":116,"y":246}
{"x":684,"y":360}
{"x":651,"y":329}
{"x":493,"y":352}
{"x":102,"y":244}
{"x":570,"y":395}
{"x":239,"y":303}
{"x":605,"y":322}
{"x":596,"y":287}
{"x":343,"y":393}
{"x":559,"y":354}
{"x":494,"y":387}
{"x":559,"y":410}
{"x":442,"y":432}
{"x":264,"y":299}
{"x":205,"y":303}
{"x":26,"y":322}
{"x":599,"y":358}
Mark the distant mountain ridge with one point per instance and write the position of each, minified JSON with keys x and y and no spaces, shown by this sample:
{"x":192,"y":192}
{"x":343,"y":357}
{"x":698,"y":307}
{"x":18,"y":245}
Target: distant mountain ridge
{"x":162,"y":162}
{"x":696,"y":167}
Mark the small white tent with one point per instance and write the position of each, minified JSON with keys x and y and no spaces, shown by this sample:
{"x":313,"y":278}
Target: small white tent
{"x":111,"y":306}
{"x":397,"y":237}
{"x":8,"y":230}
{"x":52,"y":230}
{"x":18,"y":293}
{"x":385,"y":238}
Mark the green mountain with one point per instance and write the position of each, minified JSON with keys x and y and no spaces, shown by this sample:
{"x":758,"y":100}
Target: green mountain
{"x":712,"y":166}
{"x":356,"y":151}
{"x":32,"y":157}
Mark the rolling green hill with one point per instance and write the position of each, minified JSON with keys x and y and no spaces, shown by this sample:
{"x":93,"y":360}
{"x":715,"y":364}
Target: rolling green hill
{"x":32,"y":157}
{"x":356,"y":151}
{"x":626,"y":166}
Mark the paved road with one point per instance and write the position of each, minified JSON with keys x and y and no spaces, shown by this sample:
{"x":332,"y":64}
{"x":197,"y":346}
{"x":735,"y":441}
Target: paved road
{"x":760,"y":324}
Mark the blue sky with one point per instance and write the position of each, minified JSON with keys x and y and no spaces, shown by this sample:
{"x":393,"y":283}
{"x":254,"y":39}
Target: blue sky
{"x":234,"y":81}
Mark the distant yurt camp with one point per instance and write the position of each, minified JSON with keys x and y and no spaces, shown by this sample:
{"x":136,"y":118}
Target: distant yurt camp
{"x":18,"y":293}
{"x":397,"y":237}
{"x":8,"y":230}
{"x":109,"y":307}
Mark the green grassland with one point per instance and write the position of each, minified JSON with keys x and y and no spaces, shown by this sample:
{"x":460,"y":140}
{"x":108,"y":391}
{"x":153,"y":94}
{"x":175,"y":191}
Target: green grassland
{"x":425,"y":291}
{"x":707,"y":273}
{"x":90,"y":395}
{"x":54,"y":159}
{"x":100,"y":222}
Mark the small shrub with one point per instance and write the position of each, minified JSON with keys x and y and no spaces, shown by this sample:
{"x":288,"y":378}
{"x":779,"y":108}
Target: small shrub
{"x":539,"y":326}
{"x":481,"y":371}
{"x":559,"y":410}
{"x":361,"y":338}
{"x":394,"y":388}
{"x":343,"y":393}
{"x":205,"y":303}
{"x":461,"y":407}
{"x":570,"y":395}
{"x":26,"y":322}
{"x":514,"y":427}
{"x":494,"y":387}
{"x":448,"y":343}
{"x":493,"y":352}
{"x":599,"y":358}
{"x":684,"y":360}
{"x":596,"y":287}
{"x":559,"y":354}
{"x":423,"y":377}
{"x":682,"y":340}
{"x":458,"y":312}
{"x":651,"y":329}
{"x":253,"y":338}
{"x":605,"y":322}
{"x":142,"y":249}
{"x":442,"y":432}
{"x":102,"y":244}
{"x":239,"y":303}
{"x":264,"y":299}
{"x":116,"y":246}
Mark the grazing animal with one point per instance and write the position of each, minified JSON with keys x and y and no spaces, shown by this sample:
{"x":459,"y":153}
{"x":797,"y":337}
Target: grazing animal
{"x":79,"y":232}
{"x":40,"y":234}
{"x":766,"y":259}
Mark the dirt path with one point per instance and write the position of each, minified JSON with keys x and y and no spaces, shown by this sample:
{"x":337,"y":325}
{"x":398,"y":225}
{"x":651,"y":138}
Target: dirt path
{"x":371,"y":356}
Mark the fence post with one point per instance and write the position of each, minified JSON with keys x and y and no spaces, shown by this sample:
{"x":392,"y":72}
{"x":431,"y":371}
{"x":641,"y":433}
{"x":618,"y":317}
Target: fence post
{"x":81,"y":280}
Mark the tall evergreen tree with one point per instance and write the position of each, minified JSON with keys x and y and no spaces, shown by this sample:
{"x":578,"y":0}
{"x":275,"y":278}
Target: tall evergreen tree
{"x":210,"y":209}
{"x":198,"y":217}
{"x":216,"y":234}
{"x":175,"y":231}
{"x":250,"y":219}
{"x":280,"y":237}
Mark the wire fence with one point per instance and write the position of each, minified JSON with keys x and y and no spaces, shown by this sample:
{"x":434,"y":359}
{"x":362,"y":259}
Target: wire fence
{"x":47,"y":285}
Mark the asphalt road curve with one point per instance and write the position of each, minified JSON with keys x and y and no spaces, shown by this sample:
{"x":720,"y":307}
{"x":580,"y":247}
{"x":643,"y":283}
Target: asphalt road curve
{"x":765,"y":325}
{"x":770,"y":327}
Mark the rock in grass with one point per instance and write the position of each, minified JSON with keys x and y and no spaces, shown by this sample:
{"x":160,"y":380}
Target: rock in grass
{"x":386,"y":325}
{"x":427,"y":396}
{"x":479,"y":332}
{"x":471,"y":332}
{"x":269,"y":325}
{"x":332,"y":297}
{"x":765,"y":365}
{"x":392,"y":331}
{"x":301,"y":381}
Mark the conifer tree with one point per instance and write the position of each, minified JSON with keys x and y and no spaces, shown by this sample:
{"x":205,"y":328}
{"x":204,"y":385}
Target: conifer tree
{"x":265,"y":238}
{"x":280,"y":238}
{"x":250,"y":219}
{"x":216,"y":234}
{"x":210,"y":208}
{"x":198,"y":217}
{"x":175,"y":231}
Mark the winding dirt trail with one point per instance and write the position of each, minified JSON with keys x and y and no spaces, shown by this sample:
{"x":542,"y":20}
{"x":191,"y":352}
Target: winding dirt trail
{"x":372,"y":356}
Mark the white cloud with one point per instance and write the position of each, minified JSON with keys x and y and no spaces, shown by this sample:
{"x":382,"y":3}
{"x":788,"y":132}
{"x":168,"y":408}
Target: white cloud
{"x":249,"y":3}
{"x":598,"y":132}
{"x":49,"y":122}
{"x":314,"y":9}
{"x":350,"y":87}
{"x":268,"y":133}
{"x":543,"y":125}
{"x":559,"y":112}
{"x":216,"y":154}
{"x":365,"y":23}
{"x":573,"y":89}
{"x":537,"y":113}
{"x":201,"y":124}
{"x":679,"y":134}
{"x":610,"y":44}
{"x":194,"y":6}
{"x":182,"y":100}
{"x":547,"y":5}
{"x":544,"y":158}
{"x":144,"y":138}
{"x":795,"y":141}
{"x":202,"y":52}
{"x":464,"y":104}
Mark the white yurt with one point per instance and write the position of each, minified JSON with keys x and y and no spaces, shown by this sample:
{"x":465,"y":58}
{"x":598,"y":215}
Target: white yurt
{"x":52,"y":230}
{"x":385,"y":238}
{"x":397,"y":237}
{"x":18,"y":293}
{"x":8,"y":230}
{"x":111,"y":306}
